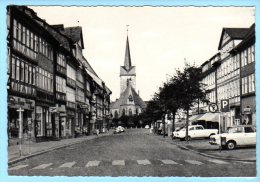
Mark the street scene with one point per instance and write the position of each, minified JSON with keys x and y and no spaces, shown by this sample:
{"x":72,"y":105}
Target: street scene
{"x":135,"y":152}
{"x":104,"y":91}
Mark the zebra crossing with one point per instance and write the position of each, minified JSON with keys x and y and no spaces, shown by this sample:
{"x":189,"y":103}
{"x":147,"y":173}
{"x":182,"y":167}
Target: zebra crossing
{"x":144,"y":162}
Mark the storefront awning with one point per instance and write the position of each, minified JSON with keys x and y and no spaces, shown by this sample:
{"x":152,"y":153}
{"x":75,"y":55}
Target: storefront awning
{"x":213,"y":117}
{"x":195,"y":117}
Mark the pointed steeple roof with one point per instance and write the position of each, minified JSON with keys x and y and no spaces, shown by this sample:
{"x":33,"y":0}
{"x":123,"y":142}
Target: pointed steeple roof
{"x":127,"y":63}
{"x":127,"y":69}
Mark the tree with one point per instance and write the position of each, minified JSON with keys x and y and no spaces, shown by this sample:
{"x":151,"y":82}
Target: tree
{"x":153,"y":111}
{"x":169,"y":96}
{"x":191,"y":89}
{"x":181,"y":91}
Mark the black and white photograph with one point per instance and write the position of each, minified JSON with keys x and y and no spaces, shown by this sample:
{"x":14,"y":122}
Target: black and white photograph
{"x":126,"y":91}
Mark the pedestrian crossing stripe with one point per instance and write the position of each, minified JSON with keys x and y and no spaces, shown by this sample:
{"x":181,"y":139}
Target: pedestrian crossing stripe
{"x":18,"y":167}
{"x":95,"y":163}
{"x":118,"y":163}
{"x":217,"y":161}
{"x":169,"y":162}
{"x":43,"y":166}
{"x":92,"y":163}
{"x":68,"y":164}
{"x":194,"y":162}
{"x":143,"y":162}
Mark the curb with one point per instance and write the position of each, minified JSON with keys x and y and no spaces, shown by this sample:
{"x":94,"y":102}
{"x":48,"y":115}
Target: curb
{"x":213,"y":156}
{"x":49,"y":150}
{"x":209,"y":155}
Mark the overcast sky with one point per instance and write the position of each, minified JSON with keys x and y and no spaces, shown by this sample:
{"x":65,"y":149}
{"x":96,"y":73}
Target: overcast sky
{"x":160,"y":38}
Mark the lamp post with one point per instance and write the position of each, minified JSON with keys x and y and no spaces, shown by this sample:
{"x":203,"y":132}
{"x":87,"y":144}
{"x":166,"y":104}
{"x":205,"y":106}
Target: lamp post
{"x":20,"y":110}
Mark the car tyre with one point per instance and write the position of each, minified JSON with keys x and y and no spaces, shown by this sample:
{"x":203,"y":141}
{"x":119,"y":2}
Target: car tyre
{"x":211,"y":135}
{"x":189,"y":138}
{"x":231,"y":145}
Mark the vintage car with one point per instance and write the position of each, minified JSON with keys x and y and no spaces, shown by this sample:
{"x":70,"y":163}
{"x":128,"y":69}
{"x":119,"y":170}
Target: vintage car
{"x":119,"y":129}
{"x":174,"y":133}
{"x":244,"y":135}
{"x":195,"y":131}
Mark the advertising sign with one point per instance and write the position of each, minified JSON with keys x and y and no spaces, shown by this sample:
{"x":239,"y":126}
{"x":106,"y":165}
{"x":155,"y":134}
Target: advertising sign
{"x":225,"y":105}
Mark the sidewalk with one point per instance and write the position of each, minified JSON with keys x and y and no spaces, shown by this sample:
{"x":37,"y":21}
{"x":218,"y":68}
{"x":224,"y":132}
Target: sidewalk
{"x":30,"y":149}
{"x":202,"y":147}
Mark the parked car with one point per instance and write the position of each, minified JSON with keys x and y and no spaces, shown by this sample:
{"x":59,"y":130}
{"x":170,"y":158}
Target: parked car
{"x":119,"y":129}
{"x":195,"y":131}
{"x":174,"y":134}
{"x":146,"y":127}
{"x":122,"y":129}
{"x":235,"y":136}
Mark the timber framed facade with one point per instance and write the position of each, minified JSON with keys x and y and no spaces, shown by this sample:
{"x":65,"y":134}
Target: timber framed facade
{"x":51,"y":86}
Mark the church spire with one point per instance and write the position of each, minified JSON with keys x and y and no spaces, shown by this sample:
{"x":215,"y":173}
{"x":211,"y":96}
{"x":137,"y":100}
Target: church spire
{"x":127,"y":63}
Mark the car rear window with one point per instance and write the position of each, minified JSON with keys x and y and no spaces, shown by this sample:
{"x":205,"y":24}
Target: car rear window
{"x":235,"y":130}
{"x":249,"y":130}
{"x":199,"y":128}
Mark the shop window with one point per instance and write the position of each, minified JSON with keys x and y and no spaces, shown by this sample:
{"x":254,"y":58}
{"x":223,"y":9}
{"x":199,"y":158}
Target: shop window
{"x":38,"y":118}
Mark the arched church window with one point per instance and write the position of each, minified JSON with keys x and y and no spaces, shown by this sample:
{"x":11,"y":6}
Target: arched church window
{"x":130,"y":112}
{"x":116,"y":114}
{"x":130,"y":98}
{"x":136,"y":111}
{"x":123,"y":112}
{"x":127,"y":81}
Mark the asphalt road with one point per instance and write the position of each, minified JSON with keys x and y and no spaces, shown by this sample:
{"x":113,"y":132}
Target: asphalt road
{"x":133,"y":153}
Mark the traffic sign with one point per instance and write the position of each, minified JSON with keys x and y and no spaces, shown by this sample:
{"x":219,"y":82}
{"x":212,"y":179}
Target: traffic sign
{"x":84,"y":106}
{"x":213,"y":107}
{"x":52,"y":109}
{"x":225,"y":105}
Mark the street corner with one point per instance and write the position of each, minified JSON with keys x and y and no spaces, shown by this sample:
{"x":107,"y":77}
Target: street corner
{"x":247,"y":154}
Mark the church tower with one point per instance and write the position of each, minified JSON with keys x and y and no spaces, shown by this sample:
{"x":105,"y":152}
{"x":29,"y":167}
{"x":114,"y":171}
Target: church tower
{"x":127,"y":72}
{"x":129,"y":103}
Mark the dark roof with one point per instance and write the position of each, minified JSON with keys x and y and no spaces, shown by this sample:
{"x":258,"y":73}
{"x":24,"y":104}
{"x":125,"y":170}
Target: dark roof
{"x":74,"y":33}
{"x":127,"y":63}
{"x":206,"y":62}
{"x":248,"y":40}
{"x":127,"y":69}
{"x":123,"y":99}
{"x":249,"y":36}
{"x":234,"y":33}
{"x":88,"y":66}
{"x":59,"y":37}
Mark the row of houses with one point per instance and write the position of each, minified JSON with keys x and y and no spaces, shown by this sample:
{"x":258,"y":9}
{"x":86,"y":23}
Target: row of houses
{"x":230,"y":75}
{"x":53,"y":92}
